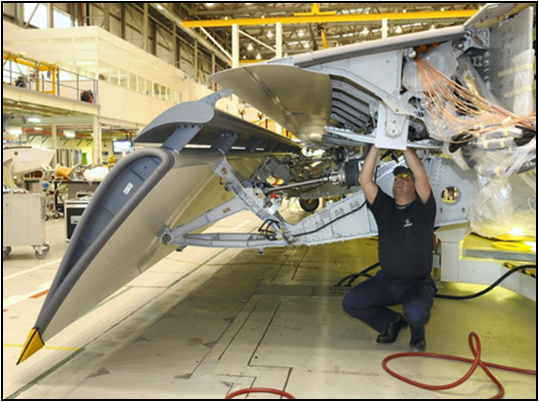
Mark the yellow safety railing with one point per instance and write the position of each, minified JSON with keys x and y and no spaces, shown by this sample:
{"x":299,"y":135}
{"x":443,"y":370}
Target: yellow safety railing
{"x":51,"y":70}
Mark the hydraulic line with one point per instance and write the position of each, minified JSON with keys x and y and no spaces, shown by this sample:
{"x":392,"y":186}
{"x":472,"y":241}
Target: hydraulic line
{"x":476,"y":361}
{"x":312,"y":182}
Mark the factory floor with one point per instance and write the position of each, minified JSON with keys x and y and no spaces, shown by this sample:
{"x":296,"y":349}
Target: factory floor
{"x":207,"y":322}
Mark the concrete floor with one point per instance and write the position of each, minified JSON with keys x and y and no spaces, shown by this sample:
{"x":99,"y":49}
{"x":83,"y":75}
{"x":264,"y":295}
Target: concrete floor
{"x":206,"y":322}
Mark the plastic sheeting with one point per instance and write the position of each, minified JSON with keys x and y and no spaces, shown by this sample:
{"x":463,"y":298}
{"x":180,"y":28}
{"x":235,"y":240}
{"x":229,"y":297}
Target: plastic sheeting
{"x":504,"y":205}
{"x":504,"y":199}
{"x":442,"y":58}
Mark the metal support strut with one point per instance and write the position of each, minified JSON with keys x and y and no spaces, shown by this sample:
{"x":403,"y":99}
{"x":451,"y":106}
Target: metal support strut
{"x":325,"y":226}
{"x":339,"y":221}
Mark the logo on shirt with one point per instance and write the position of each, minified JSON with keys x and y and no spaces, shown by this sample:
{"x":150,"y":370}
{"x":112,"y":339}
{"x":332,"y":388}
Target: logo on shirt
{"x":407,"y":223}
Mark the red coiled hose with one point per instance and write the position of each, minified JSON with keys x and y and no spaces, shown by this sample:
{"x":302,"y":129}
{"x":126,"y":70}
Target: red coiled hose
{"x":258,"y":390}
{"x":475,"y":362}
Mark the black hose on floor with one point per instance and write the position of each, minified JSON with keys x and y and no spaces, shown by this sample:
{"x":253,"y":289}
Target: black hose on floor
{"x":488,"y":289}
{"x":351,"y":278}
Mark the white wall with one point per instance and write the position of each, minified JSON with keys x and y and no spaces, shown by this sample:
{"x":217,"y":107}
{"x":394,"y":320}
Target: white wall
{"x":74,"y":46}
{"x":8,"y":26}
{"x":121,"y":106}
{"x":118,"y":106}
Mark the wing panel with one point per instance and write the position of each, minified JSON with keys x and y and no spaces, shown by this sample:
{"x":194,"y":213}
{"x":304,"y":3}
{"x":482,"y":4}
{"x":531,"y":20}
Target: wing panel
{"x":118,"y":253}
{"x":297,"y":99}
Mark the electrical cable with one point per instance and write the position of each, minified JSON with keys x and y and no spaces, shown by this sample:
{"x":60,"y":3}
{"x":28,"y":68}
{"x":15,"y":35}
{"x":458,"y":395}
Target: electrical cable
{"x":268,"y":233}
{"x":331,"y":222}
{"x":465,"y":297}
{"x":260,"y":390}
{"x":353,"y":277}
{"x":475,"y":362}
{"x":488,"y":289}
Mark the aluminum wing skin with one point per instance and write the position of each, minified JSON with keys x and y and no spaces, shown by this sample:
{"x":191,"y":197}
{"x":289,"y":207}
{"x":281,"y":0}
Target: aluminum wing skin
{"x":118,"y":236}
{"x":339,"y":87}
{"x":297,"y":99}
{"x":370,"y":93}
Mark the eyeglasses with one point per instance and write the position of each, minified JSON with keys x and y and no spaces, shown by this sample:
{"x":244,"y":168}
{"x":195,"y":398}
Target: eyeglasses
{"x":404,"y":176}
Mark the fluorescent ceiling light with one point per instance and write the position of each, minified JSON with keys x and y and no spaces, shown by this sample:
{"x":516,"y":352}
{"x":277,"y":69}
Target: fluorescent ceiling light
{"x":34,"y":119}
{"x":15,"y":131}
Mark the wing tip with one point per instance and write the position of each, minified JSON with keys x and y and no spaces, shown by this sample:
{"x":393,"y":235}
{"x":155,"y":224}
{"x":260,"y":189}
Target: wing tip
{"x":32,"y":345}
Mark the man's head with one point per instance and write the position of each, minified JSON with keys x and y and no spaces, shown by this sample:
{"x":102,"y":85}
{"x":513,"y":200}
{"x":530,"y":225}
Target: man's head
{"x":404,"y":184}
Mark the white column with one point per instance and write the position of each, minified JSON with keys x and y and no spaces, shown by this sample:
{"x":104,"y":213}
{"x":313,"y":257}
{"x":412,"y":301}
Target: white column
{"x":145,"y":17}
{"x":235,"y":62}
{"x":54,"y":137}
{"x":384,"y":28}
{"x":97,"y":158}
{"x":195,"y":63}
{"x":235,"y":45}
{"x":278,"y":55}
{"x":50,"y":15}
{"x":213,"y":70}
{"x":279,"y":40}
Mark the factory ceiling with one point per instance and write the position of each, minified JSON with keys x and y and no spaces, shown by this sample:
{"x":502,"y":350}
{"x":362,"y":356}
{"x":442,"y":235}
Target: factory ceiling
{"x":310,"y":26}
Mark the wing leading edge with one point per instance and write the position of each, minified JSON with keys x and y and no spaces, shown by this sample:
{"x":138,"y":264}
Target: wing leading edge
{"x":117,"y":237}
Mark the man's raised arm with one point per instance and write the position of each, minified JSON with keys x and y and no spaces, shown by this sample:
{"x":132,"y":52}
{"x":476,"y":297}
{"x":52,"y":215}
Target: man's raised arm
{"x":365,"y":176}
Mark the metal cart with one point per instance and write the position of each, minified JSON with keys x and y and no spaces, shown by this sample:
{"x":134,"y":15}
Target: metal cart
{"x":23,"y":223}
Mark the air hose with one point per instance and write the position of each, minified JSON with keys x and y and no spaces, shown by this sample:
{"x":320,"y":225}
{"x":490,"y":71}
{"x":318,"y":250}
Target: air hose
{"x":488,"y":289}
{"x":259,"y":390}
{"x":476,"y":361}
{"x":353,"y":277}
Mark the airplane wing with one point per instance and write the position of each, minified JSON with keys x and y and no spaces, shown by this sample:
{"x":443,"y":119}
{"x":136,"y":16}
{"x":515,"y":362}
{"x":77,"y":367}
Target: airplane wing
{"x":117,"y":237}
{"x":373,"y":92}
{"x":433,"y":90}
{"x":326,"y":80}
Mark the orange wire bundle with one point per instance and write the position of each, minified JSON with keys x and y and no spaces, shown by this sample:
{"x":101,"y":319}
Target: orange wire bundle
{"x":463,"y":112}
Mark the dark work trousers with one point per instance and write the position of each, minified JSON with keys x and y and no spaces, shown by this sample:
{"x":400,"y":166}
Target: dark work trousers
{"x":368,"y":302}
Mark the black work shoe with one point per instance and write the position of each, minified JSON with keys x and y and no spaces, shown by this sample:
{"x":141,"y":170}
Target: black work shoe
{"x":393,"y":331}
{"x":418,"y":345}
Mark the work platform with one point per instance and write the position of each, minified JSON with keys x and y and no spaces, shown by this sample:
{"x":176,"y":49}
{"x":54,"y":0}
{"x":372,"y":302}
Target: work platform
{"x":206,"y":322}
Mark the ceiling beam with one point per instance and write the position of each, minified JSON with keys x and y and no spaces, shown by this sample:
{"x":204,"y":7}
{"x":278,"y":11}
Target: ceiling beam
{"x":321,"y":19}
{"x":285,"y":8}
{"x":172,"y":17}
